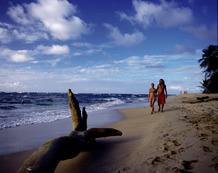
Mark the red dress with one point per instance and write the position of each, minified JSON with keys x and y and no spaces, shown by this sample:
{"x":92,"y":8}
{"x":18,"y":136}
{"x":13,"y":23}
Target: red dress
{"x":161,"y":98}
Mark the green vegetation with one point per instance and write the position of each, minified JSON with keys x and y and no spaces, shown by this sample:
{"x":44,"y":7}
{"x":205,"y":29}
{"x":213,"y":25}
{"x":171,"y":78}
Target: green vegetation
{"x":209,"y":62}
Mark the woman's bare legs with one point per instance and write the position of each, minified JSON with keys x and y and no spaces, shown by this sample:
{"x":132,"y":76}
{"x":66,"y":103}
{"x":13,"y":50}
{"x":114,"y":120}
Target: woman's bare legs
{"x":162,"y":106}
{"x":152,"y":105}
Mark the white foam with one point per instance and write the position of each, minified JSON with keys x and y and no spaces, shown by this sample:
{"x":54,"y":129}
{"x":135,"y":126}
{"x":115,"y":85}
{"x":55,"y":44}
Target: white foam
{"x":28,"y":114}
{"x":42,"y":116}
{"x":36,"y":117}
{"x":105,"y":105}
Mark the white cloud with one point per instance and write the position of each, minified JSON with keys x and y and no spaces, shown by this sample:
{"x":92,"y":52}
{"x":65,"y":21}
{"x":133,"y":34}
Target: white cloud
{"x":23,"y":34}
{"x":203,"y":32}
{"x":180,"y":49}
{"x":124,"y":39}
{"x":20,"y":57}
{"x":15,"y":55}
{"x":85,"y":48}
{"x":103,"y":71}
{"x":169,"y":14}
{"x":53,"y":62}
{"x":131,"y":70}
{"x":166,"y":14}
{"x":143,"y":63}
{"x":12,"y":85}
{"x":178,"y":88}
{"x":77,"y":54}
{"x":56,"y":18}
{"x":4,"y":35}
{"x":20,"y":15}
{"x":54,"y":49}
{"x":82,"y":44}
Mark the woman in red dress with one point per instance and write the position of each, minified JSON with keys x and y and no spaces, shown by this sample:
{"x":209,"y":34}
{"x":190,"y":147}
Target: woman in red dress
{"x":161,"y":87}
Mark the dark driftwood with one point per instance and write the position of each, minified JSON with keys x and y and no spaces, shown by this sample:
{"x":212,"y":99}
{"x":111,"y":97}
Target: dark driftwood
{"x":47,"y":157}
{"x":201,"y":99}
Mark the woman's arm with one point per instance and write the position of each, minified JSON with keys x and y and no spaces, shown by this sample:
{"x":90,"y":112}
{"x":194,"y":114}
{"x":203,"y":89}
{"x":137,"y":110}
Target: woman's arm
{"x":157,"y":87}
{"x":165,"y":91}
{"x":148,"y":94}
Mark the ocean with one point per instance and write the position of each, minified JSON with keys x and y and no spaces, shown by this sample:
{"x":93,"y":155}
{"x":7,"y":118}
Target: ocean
{"x":19,"y":109}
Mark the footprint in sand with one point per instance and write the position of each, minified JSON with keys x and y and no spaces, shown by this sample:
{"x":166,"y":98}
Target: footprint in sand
{"x":206,"y":149}
{"x":215,"y":165}
{"x":214,"y":142}
{"x":209,"y":127}
{"x":189,"y":165}
{"x":171,"y":155}
{"x":158,"y":160}
{"x":214,"y":131}
{"x":124,"y":170}
{"x":203,"y":136}
{"x":165,"y":135}
{"x":154,"y":161}
{"x":169,"y":147}
{"x":181,"y":150}
{"x":176,"y":143}
{"x":148,"y":161}
{"x":177,"y":170}
{"x":166,"y":148}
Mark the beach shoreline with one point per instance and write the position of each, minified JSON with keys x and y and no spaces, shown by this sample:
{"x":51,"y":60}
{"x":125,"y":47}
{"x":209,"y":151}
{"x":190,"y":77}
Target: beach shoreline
{"x":28,"y":137}
{"x":182,"y":138}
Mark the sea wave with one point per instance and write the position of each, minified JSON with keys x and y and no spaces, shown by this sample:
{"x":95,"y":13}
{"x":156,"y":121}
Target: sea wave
{"x":45,"y":116}
{"x":8,"y":107}
{"x":35,"y":118}
{"x":105,"y":105}
{"x":48,"y":107}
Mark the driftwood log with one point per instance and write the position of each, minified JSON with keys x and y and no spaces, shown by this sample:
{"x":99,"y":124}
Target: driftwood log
{"x":46,"y":158}
{"x":201,"y":99}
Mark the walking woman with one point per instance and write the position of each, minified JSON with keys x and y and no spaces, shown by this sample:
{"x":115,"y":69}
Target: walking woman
{"x":161,"y":87}
{"x":151,"y":97}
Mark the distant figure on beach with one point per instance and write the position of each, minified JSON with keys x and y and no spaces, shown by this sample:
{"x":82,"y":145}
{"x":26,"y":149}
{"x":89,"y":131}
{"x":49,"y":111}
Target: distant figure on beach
{"x":161,"y":88}
{"x":151,"y":97}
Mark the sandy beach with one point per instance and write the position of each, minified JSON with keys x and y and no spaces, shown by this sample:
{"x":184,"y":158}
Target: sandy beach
{"x":184,"y":138}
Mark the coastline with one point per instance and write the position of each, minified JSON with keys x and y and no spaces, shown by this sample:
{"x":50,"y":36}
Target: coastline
{"x":182,"y":138}
{"x":29,"y":137}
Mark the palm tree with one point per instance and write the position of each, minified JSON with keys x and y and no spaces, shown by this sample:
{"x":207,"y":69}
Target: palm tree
{"x":209,"y":59}
{"x":205,"y":84}
{"x":213,"y":83}
{"x":209,"y":62}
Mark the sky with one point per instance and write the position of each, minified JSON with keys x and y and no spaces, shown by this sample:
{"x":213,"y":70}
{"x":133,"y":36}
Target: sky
{"x":99,"y":46}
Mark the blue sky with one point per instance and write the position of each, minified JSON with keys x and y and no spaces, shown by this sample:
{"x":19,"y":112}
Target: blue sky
{"x":104,"y":46}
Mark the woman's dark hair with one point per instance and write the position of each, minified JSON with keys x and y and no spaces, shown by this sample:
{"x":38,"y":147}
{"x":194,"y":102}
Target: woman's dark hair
{"x":163,"y":82}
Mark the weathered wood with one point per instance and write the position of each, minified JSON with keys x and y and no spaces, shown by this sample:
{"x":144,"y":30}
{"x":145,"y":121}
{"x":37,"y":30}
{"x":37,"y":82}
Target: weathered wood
{"x":75,"y":111}
{"x":202,"y":98}
{"x":103,"y":132}
{"x":199,"y":100}
{"x":84,"y":120}
{"x":47,"y":157}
